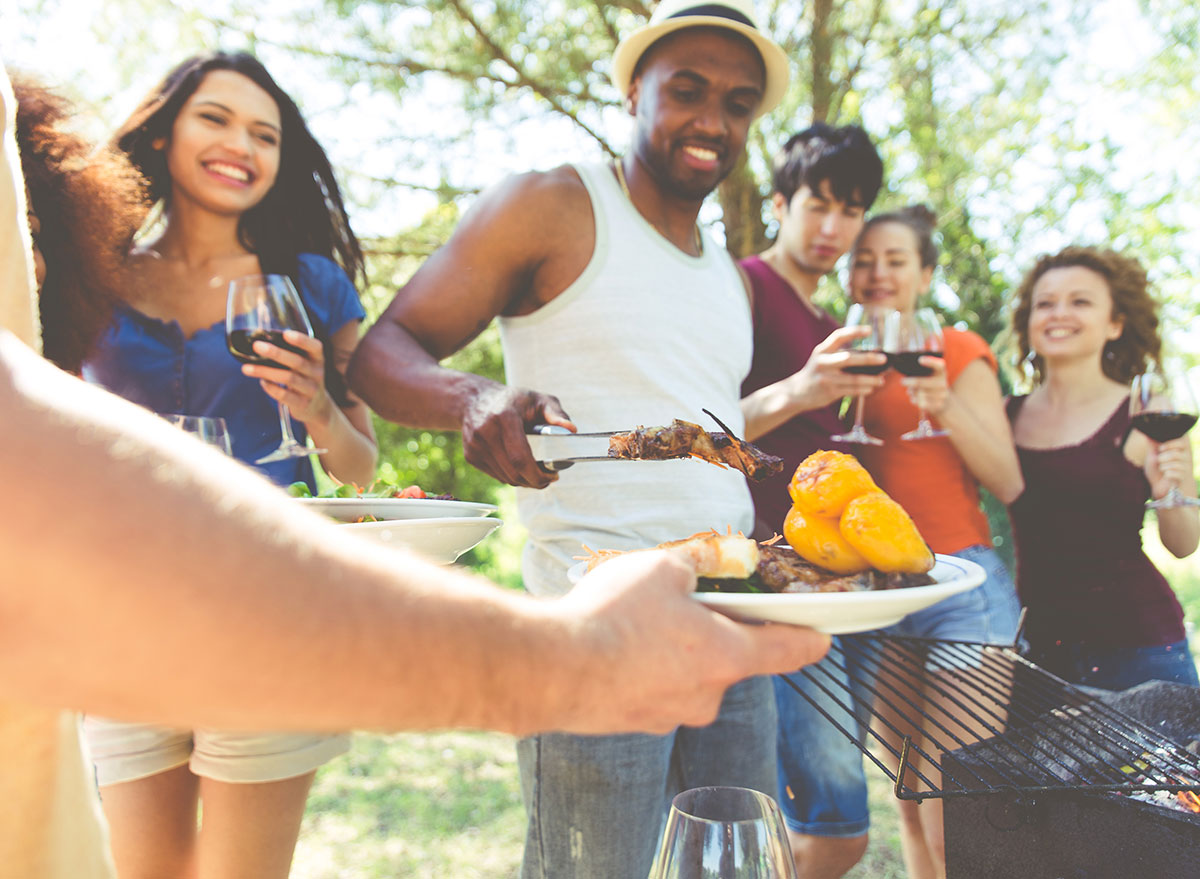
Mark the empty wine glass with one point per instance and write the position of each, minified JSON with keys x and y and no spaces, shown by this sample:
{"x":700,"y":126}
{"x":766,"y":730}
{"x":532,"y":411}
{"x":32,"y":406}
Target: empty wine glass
{"x":209,"y":430}
{"x":1163,"y":407}
{"x":260,"y":308}
{"x":724,"y":833}
{"x":873,"y":317}
{"x":909,"y":337}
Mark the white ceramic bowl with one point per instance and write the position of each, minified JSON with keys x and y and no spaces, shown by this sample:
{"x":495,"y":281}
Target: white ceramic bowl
{"x":441,"y":540}
{"x":386,"y":508}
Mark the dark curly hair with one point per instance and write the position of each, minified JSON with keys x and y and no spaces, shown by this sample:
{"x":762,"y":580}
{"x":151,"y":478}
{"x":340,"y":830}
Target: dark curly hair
{"x":89,"y":202}
{"x":302,"y":213}
{"x":1139,"y":343}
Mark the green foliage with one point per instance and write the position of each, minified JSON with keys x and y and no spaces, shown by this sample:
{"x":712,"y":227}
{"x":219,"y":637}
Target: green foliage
{"x":434,"y":459}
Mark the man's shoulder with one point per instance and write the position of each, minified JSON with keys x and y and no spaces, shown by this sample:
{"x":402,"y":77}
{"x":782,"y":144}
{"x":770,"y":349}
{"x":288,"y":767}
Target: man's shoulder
{"x":556,"y":186}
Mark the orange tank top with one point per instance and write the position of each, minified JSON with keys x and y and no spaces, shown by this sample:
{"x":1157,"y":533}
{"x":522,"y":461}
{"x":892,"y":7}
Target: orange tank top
{"x":927,"y":476}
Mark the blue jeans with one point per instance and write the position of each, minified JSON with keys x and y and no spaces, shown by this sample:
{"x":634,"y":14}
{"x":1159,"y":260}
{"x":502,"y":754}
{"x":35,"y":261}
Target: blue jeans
{"x":596,"y":804}
{"x":1118,"y":668}
{"x":822,"y":789}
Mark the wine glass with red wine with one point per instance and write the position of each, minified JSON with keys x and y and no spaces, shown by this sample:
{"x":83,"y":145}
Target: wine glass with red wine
{"x":260,"y":308}
{"x":910,"y":337}
{"x":1163,"y":407}
{"x":873,"y":317}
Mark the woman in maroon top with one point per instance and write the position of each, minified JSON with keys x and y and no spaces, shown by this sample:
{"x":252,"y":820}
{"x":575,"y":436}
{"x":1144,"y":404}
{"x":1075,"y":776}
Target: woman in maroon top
{"x":1099,"y":612}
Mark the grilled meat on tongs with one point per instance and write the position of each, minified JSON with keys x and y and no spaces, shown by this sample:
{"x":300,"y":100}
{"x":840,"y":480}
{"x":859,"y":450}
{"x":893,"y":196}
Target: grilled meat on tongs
{"x":682,"y":439}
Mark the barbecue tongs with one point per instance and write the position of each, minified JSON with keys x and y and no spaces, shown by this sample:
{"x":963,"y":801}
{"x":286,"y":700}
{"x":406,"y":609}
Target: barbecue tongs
{"x":556,"y":448}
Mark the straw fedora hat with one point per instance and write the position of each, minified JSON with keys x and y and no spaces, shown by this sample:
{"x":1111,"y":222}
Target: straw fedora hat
{"x":672,"y":15}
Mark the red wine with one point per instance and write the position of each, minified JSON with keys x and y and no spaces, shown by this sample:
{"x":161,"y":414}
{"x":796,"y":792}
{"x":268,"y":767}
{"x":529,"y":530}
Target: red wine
{"x":870,"y":368}
{"x":905,"y":362}
{"x":1163,"y":426}
{"x":241,"y":346}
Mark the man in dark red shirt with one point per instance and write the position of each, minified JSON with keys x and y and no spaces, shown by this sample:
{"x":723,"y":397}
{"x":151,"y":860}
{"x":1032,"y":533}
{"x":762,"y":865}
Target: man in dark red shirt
{"x":825,"y":179}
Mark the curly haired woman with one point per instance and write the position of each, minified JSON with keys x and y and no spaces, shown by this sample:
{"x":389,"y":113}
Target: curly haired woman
{"x":1099,"y":612}
{"x":85,"y":203}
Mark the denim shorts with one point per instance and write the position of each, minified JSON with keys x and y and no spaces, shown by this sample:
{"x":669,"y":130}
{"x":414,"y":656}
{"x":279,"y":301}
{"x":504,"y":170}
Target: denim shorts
{"x":822,"y":790}
{"x":822,"y":786}
{"x":1118,"y":668}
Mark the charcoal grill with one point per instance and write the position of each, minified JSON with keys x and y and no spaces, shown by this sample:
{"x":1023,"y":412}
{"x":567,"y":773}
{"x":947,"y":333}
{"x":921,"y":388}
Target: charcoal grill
{"x":1039,"y":778}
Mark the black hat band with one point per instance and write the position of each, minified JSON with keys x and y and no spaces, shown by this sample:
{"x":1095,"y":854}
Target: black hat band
{"x":716,"y":10}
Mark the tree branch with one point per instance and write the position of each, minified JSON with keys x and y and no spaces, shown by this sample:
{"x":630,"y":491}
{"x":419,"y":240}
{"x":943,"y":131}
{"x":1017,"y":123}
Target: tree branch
{"x":609,"y":27}
{"x":523,"y":78}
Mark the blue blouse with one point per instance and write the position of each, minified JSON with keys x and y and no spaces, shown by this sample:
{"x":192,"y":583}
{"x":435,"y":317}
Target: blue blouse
{"x":150,"y":362}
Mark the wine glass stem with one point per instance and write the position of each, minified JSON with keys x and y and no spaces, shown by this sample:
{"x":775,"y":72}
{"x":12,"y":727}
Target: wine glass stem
{"x":285,"y":427}
{"x":858,"y":412}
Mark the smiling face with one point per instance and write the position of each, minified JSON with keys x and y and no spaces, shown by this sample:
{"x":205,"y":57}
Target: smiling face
{"x":886,"y":268}
{"x":224,"y":150}
{"x":816,"y":228}
{"x":694,"y":97}
{"x":1071,"y":314}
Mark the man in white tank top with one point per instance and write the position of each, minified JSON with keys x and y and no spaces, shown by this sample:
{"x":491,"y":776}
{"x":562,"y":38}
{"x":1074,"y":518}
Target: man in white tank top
{"x":614,"y":311}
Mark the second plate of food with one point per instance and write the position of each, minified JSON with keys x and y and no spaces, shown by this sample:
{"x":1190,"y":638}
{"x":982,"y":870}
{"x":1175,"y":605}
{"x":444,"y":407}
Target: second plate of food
{"x":841,"y":613}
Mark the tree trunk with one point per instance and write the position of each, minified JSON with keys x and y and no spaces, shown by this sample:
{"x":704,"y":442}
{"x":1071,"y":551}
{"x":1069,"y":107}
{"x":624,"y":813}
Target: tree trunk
{"x":822,"y":60}
{"x":741,"y":207}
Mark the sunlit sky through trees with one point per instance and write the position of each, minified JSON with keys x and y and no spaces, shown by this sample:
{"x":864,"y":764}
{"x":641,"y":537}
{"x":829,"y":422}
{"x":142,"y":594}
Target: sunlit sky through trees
{"x":108,"y":53}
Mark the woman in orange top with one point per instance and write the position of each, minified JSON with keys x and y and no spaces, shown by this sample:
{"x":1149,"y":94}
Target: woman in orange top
{"x":937,"y":480}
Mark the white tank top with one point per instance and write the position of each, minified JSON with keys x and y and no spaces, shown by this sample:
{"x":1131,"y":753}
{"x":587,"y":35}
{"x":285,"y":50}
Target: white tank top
{"x":645,"y":335}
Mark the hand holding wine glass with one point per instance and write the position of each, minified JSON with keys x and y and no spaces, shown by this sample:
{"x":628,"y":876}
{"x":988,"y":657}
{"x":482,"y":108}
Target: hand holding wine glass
{"x":909,"y":337}
{"x":1163,"y":406}
{"x":874,"y":318}
{"x":724,"y":833}
{"x":260,"y":309}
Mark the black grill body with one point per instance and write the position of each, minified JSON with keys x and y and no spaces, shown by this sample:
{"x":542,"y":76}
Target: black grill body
{"x":1039,"y":778}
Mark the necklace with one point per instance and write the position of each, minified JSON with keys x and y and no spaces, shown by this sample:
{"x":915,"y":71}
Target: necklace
{"x":619,"y":168}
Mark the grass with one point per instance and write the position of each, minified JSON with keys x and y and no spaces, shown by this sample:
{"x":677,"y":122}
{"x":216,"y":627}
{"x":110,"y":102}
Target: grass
{"x":415,"y":805}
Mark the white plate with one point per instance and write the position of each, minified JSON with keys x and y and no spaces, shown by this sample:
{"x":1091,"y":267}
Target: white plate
{"x":441,"y":540}
{"x":347,"y":509}
{"x":839,"y":613}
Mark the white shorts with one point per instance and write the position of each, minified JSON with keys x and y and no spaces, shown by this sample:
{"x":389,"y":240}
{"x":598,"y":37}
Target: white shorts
{"x":129,"y":751}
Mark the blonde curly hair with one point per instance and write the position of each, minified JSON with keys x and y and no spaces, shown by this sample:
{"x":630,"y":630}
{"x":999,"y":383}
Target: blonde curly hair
{"x":1139,"y":342}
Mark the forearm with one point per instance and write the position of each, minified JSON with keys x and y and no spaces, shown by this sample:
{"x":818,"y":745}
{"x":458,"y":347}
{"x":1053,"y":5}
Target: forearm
{"x":147,"y":578}
{"x":1179,"y":527}
{"x":776,"y":404}
{"x":1179,"y":530}
{"x":405,"y":384}
{"x":988,"y":454}
{"x":351,"y":454}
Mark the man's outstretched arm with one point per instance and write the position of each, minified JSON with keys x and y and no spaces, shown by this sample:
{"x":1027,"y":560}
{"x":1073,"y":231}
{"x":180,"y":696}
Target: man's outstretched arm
{"x":148,"y":577}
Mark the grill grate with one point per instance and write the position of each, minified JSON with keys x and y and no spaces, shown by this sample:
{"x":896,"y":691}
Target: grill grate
{"x":1010,"y":725}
